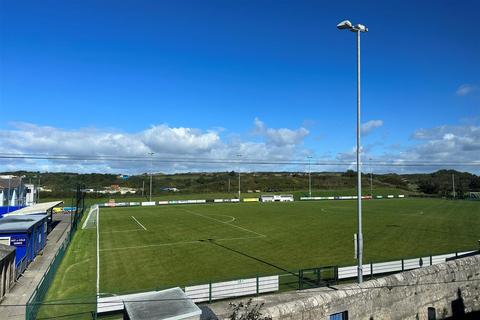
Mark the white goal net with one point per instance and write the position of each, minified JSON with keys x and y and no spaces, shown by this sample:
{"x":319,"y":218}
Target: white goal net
{"x":91,"y":220}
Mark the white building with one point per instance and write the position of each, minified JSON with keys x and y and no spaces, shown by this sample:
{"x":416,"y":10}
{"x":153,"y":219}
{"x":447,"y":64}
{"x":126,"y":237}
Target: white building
{"x":276,"y":198}
{"x":14,"y":192}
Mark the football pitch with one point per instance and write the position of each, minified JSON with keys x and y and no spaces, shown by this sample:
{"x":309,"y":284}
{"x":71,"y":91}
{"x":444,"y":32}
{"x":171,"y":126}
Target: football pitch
{"x":148,"y":248}
{"x":144,"y":248}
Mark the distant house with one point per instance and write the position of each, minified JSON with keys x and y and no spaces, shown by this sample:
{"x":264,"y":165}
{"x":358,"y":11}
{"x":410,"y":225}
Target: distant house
{"x":114,"y":188}
{"x":14,"y":192}
{"x":168,"y":189}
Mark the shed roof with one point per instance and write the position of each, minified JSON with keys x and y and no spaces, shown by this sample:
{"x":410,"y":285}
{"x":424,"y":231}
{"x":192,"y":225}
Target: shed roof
{"x":39,"y":208}
{"x":19,"y":223}
{"x":172,"y":304}
{"x":5,"y":251}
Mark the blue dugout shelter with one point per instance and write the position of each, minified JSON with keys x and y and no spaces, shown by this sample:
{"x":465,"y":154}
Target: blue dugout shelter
{"x":28,"y":233}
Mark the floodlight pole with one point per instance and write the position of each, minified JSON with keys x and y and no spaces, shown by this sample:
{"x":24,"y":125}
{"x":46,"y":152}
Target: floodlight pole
{"x":151,"y":174}
{"x":309,"y":177}
{"x":453,"y":185}
{"x":371,"y":178}
{"x":347,"y":25}
{"x":239,"y":155}
{"x":359,"y":172}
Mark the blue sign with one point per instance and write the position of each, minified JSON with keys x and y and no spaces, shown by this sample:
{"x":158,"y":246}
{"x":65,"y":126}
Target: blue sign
{"x":18,"y":240}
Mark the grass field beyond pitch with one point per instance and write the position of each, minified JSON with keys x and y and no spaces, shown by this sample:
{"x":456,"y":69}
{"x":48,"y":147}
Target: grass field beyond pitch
{"x":152,"y":247}
{"x":145,"y":248}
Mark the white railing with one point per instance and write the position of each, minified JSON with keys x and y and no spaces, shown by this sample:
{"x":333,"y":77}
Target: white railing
{"x":397,"y":265}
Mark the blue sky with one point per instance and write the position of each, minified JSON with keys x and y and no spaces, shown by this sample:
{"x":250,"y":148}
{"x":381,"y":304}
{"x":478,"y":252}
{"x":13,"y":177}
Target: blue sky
{"x":268,"y":79}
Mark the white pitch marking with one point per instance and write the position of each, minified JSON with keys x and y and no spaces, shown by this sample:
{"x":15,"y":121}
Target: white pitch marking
{"x":177,"y":243}
{"x":130,"y":230}
{"x":141,"y":225}
{"x":220,"y":221}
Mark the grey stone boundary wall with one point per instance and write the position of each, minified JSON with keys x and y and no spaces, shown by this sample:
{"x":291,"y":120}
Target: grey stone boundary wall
{"x":452,"y":288}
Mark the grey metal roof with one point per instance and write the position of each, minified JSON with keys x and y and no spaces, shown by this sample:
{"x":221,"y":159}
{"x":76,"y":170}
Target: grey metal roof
{"x":5,"y":251}
{"x":19,"y":223}
{"x":39,"y":208}
{"x":170,"y":304}
{"x":13,"y":183}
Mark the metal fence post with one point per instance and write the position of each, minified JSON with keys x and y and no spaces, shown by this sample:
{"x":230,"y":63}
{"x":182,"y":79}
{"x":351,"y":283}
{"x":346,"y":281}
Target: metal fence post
{"x":430,"y":260}
{"x":403,"y":265}
{"x":258,"y":286}
{"x":371,"y":271}
{"x":210,"y":292}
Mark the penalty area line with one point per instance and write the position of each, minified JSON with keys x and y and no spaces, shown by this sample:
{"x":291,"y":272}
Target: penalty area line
{"x":141,"y":225}
{"x":178,"y":243}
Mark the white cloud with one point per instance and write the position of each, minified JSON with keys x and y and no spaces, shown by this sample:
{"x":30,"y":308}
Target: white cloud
{"x":371,"y":125}
{"x":465,"y":89}
{"x":280,"y":137}
{"x":164,"y":141}
{"x":432,"y":149}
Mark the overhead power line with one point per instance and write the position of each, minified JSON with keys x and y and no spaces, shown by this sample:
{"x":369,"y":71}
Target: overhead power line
{"x":246,"y":161}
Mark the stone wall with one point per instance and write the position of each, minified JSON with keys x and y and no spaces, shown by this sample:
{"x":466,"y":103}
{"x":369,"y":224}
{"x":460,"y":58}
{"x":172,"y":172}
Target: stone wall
{"x":451,"y":288}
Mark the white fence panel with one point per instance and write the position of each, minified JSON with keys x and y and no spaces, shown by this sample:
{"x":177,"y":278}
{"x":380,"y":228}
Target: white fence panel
{"x":148,"y":203}
{"x":366,"y":270}
{"x":411,"y":263}
{"x":268,"y":284}
{"x":386,"y":267}
{"x":347,"y":272}
{"x":235,"y":288}
{"x":465,"y":252}
{"x":441,"y":258}
{"x":426,"y":261}
{"x":198,"y":293}
{"x":162,"y":202}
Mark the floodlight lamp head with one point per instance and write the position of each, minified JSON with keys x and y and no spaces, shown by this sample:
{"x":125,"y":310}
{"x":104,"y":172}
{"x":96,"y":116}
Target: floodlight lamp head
{"x":345,"y":24}
{"x":361,"y":28}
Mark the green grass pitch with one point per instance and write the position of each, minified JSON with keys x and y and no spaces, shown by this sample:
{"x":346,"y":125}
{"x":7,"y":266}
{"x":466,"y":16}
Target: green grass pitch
{"x":145,"y":248}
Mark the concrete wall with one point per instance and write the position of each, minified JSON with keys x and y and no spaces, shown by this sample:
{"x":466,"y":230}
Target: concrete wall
{"x":448,"y":287}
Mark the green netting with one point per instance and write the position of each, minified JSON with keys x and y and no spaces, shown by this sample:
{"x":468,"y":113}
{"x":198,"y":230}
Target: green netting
{"x":38,"y":296}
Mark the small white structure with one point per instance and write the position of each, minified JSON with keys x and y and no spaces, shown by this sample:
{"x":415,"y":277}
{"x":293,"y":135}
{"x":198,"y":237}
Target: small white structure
{"x":276,"y":198}
{"x":30,"y":194}
{"x":170,"y":304}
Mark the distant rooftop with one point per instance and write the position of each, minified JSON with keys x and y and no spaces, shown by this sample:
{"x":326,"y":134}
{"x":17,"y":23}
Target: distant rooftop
{"x":39,"y":208}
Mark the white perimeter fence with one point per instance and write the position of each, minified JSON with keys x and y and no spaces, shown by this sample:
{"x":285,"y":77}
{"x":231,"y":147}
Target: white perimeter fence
{"x":234,"y":200}
{"x":254,"y":286}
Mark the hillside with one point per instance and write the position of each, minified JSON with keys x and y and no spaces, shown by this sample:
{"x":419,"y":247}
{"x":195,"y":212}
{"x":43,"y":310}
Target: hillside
{"x":437,"y":183}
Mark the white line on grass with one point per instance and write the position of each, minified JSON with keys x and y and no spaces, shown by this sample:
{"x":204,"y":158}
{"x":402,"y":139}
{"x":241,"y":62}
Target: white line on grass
{"x":129,"y":230}
{"x":177,"y":243}
{"x":220,"y":221}
{"x":141,"y":225}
